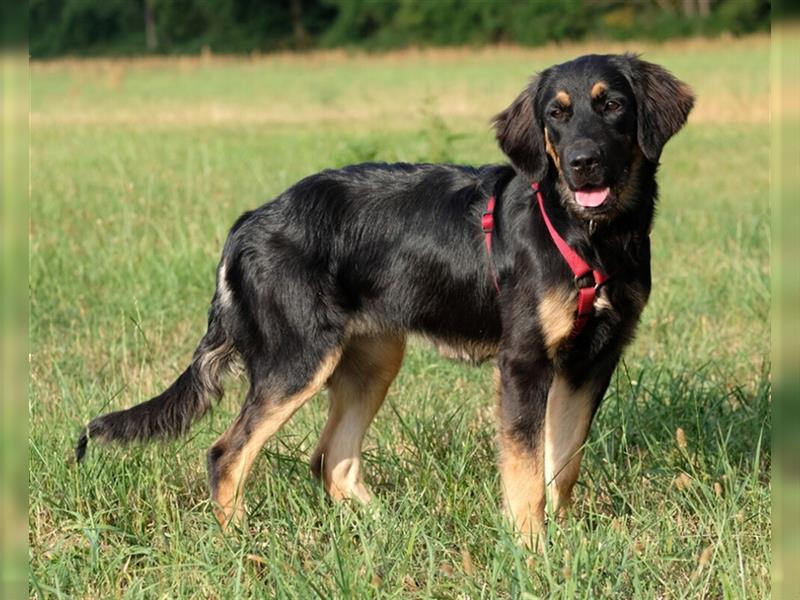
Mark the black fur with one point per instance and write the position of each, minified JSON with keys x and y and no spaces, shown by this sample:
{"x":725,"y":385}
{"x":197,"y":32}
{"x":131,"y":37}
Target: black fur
{"x":520,"y":134}
{"x":663,"y":102}
{"x":378,"y":247}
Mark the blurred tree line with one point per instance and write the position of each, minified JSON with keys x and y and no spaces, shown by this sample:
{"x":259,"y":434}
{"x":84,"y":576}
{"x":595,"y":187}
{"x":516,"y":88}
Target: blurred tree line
{"x":125,"y":27}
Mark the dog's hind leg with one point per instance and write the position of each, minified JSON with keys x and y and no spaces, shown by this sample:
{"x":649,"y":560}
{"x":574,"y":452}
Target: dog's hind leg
{"x":264,"y":412}
{"x":358,"y":387}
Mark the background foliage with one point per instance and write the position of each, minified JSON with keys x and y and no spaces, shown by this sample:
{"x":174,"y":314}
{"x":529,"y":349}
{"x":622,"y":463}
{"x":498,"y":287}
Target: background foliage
{"x":124,"y":27}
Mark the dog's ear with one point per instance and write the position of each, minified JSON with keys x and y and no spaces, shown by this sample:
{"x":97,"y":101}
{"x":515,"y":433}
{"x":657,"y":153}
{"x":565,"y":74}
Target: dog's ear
{"x":663,"y":103}
{"x":521,"y":136}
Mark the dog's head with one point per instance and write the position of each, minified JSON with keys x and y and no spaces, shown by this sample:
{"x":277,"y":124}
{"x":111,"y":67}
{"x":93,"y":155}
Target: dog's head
{"x":595,"y":120}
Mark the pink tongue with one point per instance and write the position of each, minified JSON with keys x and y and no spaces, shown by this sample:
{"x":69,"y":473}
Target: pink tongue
{"x":591,"y":197}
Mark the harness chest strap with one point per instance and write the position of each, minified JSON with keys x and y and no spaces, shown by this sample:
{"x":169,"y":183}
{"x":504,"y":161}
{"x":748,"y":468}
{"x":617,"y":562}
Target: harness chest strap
{"x":587,"y":294}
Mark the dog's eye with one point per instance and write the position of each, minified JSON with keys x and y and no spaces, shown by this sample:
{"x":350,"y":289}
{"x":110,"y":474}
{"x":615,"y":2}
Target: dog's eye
{"x":611,"y":106}
{"x":557,"y":113}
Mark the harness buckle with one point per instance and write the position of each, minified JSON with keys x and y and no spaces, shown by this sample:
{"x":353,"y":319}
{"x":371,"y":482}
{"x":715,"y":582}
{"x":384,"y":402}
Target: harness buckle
{"x":588,"y":278}
{"x":590,"y":281}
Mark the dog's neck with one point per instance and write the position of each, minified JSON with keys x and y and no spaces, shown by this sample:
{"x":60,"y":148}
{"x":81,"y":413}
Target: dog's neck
{"x":624,"y":236}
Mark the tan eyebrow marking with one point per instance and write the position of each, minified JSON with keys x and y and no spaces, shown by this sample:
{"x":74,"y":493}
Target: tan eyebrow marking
{"x":548,"y":145}
{"x":563,"y":98}
{"x":598,"y":88}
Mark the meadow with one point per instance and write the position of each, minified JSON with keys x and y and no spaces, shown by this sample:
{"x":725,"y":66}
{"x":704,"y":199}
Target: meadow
{"x":138,"y":169}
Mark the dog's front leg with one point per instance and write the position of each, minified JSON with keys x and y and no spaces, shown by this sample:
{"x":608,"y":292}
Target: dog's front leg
{"x":571,"y":404}
{"x":522,"y":388}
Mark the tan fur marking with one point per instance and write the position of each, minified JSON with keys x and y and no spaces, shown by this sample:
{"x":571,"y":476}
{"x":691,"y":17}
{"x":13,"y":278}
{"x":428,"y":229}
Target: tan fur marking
{"x":548,"y":145}
{"x":464,"y":350}
{"x":557,"y":317}
{"x":563,"y":98}
{"x":358,"y":387}
{"x":567,"y":421}
{"x":522,"y":480}
{"x":227,"y":509}
{"x":334,"y":416}
{"x":229,"y":503}
{"x":522,"y":476}
{"x":599,"y":88}
{"x":365,"y":326}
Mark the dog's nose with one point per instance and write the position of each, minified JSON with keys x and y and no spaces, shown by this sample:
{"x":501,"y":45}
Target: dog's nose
{"x":584,"y":161}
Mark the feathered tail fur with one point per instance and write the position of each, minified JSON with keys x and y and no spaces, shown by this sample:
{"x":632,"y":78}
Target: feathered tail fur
{"x":171,"y":413}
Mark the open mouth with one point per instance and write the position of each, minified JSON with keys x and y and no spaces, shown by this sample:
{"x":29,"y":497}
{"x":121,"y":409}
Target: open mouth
{"x":591,"y":197}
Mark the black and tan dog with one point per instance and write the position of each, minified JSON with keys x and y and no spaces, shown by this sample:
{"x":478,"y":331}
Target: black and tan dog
{"x":321,"y":287}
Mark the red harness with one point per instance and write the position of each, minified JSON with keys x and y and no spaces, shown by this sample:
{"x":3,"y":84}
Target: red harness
{"x":587,"y":294}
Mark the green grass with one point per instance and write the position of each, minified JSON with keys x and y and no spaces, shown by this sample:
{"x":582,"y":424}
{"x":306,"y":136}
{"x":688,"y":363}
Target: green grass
{"x":138,"y":171}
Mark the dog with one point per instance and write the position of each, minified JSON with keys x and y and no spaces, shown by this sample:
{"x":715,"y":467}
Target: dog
{"x":542,"y":265}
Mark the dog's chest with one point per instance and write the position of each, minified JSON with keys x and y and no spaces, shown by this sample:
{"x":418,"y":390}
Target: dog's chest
{"x":557,"y":310}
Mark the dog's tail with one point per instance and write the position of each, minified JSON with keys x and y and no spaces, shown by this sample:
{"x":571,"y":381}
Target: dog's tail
{"x":171,"y":413}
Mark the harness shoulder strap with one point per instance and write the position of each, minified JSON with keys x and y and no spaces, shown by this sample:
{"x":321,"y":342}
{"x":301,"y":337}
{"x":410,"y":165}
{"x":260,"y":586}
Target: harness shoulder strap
{"x":587,"y":294}
{"x":487,"y":224}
